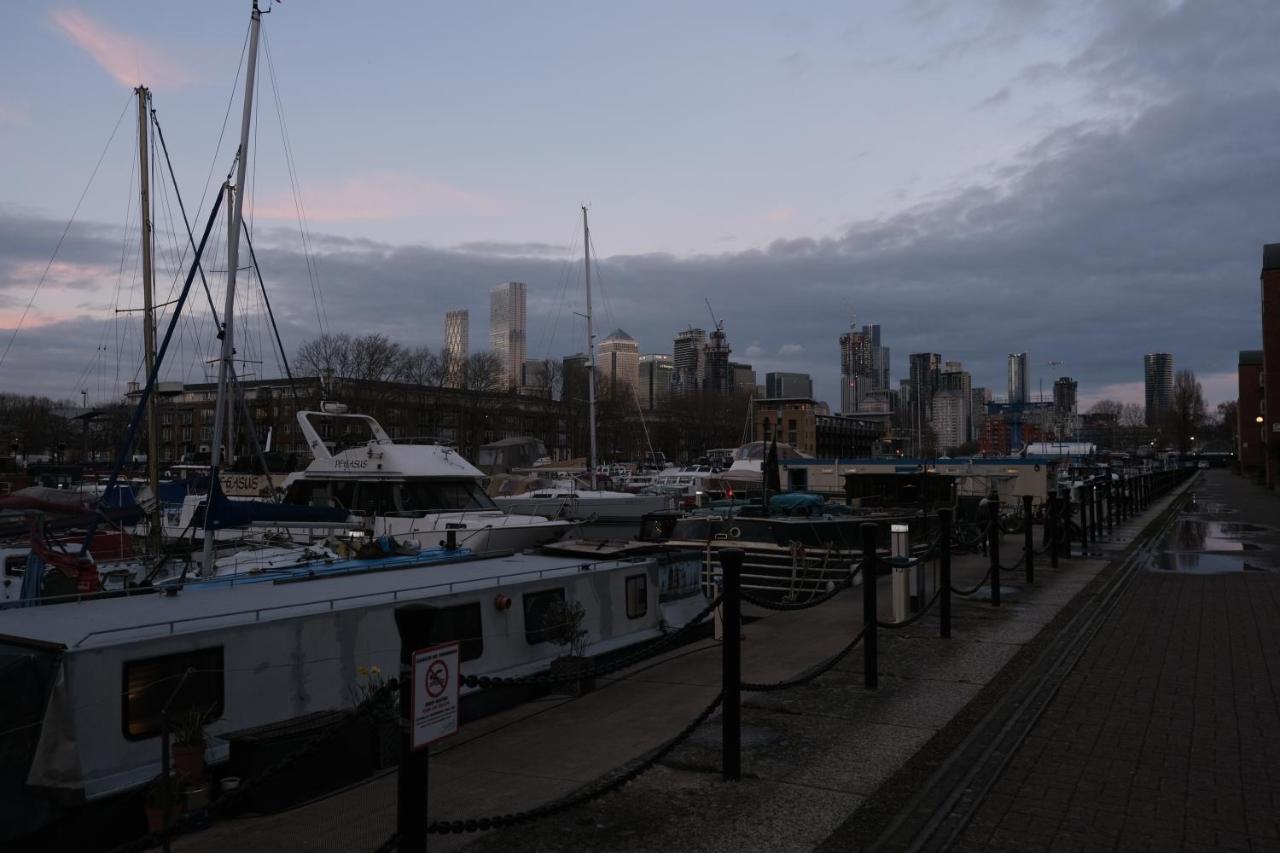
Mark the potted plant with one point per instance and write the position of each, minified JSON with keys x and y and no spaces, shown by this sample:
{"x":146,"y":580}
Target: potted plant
{"x":380,"y":716}
{"x":563,"y":621}
{"x":189,"y":745}
{"x":154,"y":801}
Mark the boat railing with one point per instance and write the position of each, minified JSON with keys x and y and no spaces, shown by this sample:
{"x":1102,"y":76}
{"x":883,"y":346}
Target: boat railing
{"x":323,"y":605}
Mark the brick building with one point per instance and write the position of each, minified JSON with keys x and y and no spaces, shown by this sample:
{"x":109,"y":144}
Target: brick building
{"x":1249,"y":426}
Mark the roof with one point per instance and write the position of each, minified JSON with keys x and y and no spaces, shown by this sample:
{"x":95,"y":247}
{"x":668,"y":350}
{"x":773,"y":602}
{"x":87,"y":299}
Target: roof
{"x":125,"y":620}
{"x":1251,"y":356}
{"x":619,"y":335}
{"x":1271,"y":256}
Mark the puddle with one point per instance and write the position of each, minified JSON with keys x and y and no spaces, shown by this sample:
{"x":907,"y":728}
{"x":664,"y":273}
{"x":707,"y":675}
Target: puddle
{"x":1195,"y":535}
{"x":1193,"y":563}
{"x":1209,"y":508}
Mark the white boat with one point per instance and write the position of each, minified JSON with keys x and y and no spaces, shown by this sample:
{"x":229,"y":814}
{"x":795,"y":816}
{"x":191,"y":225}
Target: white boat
{"x":569,"y":499}
{"x":88,"y":680}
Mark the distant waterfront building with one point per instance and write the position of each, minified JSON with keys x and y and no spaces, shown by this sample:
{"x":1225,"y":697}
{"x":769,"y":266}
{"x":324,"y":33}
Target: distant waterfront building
{"x":717,"y":375}
{"x":654,"y":386}
{"x":618,"y":362}
{"x":951,"y":417}
{"x":1158,"y":370}
{"x":1019,"y":381}
{"x":686,"y":361}
{"x":744,"y":379}
{"x":788,"y":385}
{"x":535,"y":377}
{"x":954,"y":378}
{"x":1064,"y":396}
{"x":507,"y":328}
{"x":574,"y":370}
{"x":457,"y":333}
{"x":1251,"y":436}
{"x":978,"y":410}
{"x":864,"y":366}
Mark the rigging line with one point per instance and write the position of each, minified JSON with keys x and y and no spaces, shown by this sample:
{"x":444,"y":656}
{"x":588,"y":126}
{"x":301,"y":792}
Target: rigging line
{"x":313,"y":270}
{"x":253,"y":259}
{"x":604,"y":294}
{"x":22,"y":319}
{"x":564,"y":284}
{"x":235,"y":84}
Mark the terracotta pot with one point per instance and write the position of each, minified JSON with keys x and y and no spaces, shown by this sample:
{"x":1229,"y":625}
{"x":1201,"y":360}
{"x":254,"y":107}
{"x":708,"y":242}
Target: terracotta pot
{"x":155,"y":818}
{"x":188,"y":762}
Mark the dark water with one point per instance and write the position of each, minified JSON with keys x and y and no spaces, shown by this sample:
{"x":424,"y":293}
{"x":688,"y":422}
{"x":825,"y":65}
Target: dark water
{"x":1191,"y":534}
{"x":1201,"y":545}
{"x":1195,"y":563}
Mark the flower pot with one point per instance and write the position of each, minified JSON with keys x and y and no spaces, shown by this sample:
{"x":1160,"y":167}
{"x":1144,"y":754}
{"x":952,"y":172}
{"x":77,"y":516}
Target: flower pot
{"x":188,"y":762}
{"x":196,"y":797}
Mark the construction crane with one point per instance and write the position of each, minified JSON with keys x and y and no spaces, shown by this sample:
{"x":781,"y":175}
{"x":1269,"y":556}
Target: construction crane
{"x":719,"y":324}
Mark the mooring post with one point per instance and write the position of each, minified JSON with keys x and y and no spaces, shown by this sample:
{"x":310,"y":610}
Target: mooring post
{"x":1064,"y":524}
{"x":1098,"y":515}
{"x":731,"y":665}
{"x":415,"y":623}
{"x":1111,"y":505}
{"x":944,"y":569}
{"x":869,"y":608}
{"x":993,"y":545}
{"x":1084,"y":520}
{"x":1051,"y":528}
{"x":1029,"y":538}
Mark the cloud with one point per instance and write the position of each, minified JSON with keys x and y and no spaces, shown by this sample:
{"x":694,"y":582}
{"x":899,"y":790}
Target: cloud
{"x":377,"y":197}
{"x":995,"y":99}
{"x":14,"y":112}
{"x":128,"y":59}
{"x":790,"y":349}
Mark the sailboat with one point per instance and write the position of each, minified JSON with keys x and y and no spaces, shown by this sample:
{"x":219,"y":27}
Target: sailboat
{"x":566,"y":498}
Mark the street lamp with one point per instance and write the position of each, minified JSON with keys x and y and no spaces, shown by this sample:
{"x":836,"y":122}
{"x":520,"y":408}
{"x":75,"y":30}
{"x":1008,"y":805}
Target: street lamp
{"x":1258,"y":419}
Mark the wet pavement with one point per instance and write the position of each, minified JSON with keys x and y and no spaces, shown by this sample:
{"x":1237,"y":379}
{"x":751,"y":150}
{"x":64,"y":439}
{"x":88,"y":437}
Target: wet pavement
{"x":1166,"y":735}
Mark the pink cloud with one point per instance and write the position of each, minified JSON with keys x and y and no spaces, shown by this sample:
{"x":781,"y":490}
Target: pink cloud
{"x":380,"y":197}
{"x":128,"y":59}
{"x":13,"y":112}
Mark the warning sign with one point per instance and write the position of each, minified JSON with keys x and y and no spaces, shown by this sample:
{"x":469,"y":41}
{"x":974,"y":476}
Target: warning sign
{"x":435,"y":694}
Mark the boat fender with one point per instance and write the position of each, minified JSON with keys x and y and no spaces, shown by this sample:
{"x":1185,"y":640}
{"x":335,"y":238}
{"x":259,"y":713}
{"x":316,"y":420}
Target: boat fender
{"x":502,"y":602}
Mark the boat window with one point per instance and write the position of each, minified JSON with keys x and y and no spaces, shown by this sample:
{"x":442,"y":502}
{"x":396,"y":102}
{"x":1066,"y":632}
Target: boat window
{"x":375,"y":499}
{"x":15,"y":565}
{"x":637,"y":596}
{"x":420,"y":496}
{"x":321,"y":493}
{"x":536,"y":629}
{"x":460,"y":624}
{"x":150,"y":682}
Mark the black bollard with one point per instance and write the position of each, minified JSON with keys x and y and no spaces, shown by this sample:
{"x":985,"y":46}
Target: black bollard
{"x":993,"y":549}
{"x":1064,"y":524}
{"x":415,"y":623}
{"x":944,"y":569}
{"x":1084,"y":520}
{"x":1029,"y":539}
{"x":1111,"y":505}
{"x":870,"y":609}
{"x":1051,"y":529}
{"x":731,"y":665}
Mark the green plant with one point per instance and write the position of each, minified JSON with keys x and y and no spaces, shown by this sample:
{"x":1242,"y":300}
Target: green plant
{"x":563,"y":624}
{"x":371,"y":691}
{"x":190,"y":728}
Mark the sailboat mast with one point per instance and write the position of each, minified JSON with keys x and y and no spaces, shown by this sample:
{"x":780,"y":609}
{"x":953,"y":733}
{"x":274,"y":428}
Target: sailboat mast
{"x":148,"y":311}
{"x":228,"y":311}
{"x":591,"y":345}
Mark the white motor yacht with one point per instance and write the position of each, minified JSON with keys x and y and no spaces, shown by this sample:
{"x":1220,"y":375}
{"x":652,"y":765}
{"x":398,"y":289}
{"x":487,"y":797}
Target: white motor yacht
{"x":567,"y":498}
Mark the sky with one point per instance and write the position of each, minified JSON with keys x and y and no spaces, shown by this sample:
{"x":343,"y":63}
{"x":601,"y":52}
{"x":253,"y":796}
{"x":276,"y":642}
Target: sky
{"x":1084,"y":181}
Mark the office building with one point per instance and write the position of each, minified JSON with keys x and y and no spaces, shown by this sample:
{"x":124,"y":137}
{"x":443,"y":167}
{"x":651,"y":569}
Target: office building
{"x":618,"y":364}
{"x":535,"y":377}
{"x":457,"y":333}
{"x":788,"y":385}
{"x":653,"y":389}
{"x":717,"y":375}
{"x":1019,"y":381}
{"x":744,"y":378}
{"x":1158,"y":372}
{"x":955,"y":379}
{"x":507,"y":328}
{"x":687,"y":361}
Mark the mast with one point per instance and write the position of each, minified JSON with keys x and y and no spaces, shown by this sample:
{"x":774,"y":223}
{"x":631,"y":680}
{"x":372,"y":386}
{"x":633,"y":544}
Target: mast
{"x":148,"y":313}
{"x":236,"y":209}
{"x":591,"y":346}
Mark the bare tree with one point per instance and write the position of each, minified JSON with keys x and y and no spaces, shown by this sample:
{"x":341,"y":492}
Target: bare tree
{"x":1132,"y":415}
{"x":421,"y":366}
{"x":1186,"y":409}
{"x":1110,"y":408}
{"x":484,"y":372}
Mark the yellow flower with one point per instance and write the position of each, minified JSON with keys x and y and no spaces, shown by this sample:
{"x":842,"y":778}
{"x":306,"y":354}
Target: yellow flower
{"x":363,"y":670}
{"x":375,"y":669}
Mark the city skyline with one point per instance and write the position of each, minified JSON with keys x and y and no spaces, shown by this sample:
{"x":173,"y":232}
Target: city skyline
{"x":893,"y":229}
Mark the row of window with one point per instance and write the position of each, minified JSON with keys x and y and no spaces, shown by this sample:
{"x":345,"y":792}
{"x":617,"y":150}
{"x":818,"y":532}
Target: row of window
{"x":150,"y":682}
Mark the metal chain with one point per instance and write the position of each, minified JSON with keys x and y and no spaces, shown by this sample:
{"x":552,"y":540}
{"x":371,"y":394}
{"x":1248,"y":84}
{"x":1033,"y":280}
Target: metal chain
{"x":806,"y":676}
{"x":656,"y":647}
{"x":840,"y":586}
{"x":964,"y":592}
{"x":913,"y":619}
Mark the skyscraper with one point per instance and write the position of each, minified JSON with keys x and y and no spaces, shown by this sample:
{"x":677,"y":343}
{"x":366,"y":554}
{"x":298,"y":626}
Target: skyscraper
{"x":856,"y":369}
{"x":788,"y":385}
{"x":1019,"y":383}
{"x":1158,"y":367}
{"x":744,"y":378}
{"x":507,"y":328}
{"x":717,"y":375}
{"x":654,"y":388}
{"x":618,"y":361}
{"x":457,"y":333}
{"x":954,"y":378}
{"x":686,"y":361}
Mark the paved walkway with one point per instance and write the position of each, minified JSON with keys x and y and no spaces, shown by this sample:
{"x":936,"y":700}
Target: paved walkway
{"x":1166,"y":735}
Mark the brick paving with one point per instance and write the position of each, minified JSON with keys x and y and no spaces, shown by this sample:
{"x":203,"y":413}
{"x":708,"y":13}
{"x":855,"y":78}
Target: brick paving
{"x":1166,"y":735}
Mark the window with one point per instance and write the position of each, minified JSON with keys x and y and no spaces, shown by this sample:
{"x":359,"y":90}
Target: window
{"x":422,"y":496}
{"x":637,"y":596}
{"x":536,"y":629}
{"x":460,"y":624}
{"x":149,"y":683}
{"x":15,"y":565}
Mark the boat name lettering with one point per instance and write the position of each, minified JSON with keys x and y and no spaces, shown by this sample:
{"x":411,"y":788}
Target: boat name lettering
{"x":351,"y":463}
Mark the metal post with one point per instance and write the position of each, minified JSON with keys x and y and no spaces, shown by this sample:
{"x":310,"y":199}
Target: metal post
{"x":1051,"y":528}
{"x":1098,"y":515}
{"x":869,"y":609}
{"x":993,"y":547}
{"x":1064,"y":517}
{"x":414,"y":622}
{"x":731,"y":665}
{"x":1111,"y":504}
{"x":944,"y":569}
{"x":1029,"y":539}
{"x":1084,"y":520}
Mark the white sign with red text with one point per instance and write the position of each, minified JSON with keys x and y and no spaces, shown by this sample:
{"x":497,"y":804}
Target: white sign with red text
{"x":435,"y":694}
